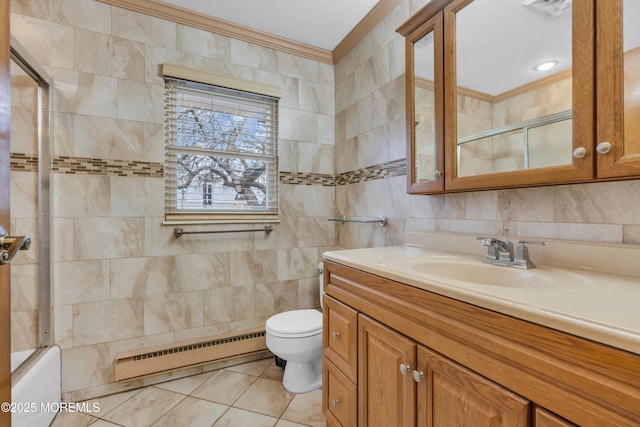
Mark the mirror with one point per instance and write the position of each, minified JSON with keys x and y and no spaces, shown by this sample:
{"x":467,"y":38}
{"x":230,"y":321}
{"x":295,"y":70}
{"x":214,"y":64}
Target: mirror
{"x":514,"y":85}
{"x":631,"y":61}
{"x":425,"y":107}
{"x":424,"y":98}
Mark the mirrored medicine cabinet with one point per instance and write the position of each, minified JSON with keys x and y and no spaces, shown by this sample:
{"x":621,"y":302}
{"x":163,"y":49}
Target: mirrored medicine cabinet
{"x":504,"y":93}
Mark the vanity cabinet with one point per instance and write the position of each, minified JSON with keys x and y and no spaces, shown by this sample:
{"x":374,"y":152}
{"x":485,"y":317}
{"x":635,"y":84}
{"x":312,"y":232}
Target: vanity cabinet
{"x":479,"y":117}
{"x":401,"y":383}
{"x":339,"y":363}
{"x":451,"y":395}
{"x":340,"y":396}
{"x":427,"y":360}
{"x":386,"y":392}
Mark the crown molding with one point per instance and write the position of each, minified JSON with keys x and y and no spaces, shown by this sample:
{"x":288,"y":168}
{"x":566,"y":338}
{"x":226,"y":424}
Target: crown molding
{"x":364,"y":27}
{"x":188,"y":17}
{"x":204,"y":22}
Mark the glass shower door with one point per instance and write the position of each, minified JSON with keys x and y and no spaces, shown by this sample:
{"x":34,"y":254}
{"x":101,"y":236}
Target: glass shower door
{"x":30,"y":269}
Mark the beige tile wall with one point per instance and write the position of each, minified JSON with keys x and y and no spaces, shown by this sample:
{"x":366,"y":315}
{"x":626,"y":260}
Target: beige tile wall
{"x":121,"y":281}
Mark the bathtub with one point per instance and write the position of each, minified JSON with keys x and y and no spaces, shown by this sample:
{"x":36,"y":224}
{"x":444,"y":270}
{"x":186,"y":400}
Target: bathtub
{"x":36,"y":387}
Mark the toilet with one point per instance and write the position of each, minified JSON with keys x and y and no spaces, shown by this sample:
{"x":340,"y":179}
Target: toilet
{"x":296,"y":336}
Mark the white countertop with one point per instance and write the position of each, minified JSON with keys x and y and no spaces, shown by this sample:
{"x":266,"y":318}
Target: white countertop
{"x":581,"y":296}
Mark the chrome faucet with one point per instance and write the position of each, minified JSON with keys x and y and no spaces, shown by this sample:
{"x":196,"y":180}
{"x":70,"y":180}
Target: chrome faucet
{"x":502,"y":252}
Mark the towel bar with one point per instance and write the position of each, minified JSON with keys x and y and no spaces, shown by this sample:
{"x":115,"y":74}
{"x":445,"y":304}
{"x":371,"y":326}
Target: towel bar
{"x":178,"y":231}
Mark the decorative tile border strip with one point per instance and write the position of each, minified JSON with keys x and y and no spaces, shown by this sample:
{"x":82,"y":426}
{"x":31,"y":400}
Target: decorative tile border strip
{"x":21,"y":162}
{"x":86,"y":166}
{"x":301,"y":178}
{"x":370,"y":173}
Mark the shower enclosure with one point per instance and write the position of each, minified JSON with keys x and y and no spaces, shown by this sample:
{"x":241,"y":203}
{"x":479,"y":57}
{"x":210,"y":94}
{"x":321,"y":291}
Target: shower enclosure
{"x":35,"y":363}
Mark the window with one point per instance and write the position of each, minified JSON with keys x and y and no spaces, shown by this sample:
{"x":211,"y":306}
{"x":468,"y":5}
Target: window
{"x":220,"y":148}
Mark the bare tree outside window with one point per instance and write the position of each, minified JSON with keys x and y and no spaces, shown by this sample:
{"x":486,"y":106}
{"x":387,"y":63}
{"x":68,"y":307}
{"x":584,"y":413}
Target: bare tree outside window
{"x":221,"y":146}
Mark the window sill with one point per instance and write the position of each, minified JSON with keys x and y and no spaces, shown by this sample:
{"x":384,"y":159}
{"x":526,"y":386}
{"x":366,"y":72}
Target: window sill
{"x":220,"y":221}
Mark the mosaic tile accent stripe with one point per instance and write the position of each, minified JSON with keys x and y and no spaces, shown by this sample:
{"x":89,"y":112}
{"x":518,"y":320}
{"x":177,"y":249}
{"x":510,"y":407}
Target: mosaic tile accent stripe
{"x":370,"y":173}
{"x":300,"y":178}
{"x":21,"y":162}
{"x":85,"y":166}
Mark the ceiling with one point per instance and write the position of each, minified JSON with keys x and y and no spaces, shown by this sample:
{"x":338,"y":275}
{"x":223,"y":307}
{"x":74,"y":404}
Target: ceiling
{"x":498,"y":41}
{"x":319,"y":23}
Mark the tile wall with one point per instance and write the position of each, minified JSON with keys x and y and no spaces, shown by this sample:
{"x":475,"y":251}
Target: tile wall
{"x":121,"y":281}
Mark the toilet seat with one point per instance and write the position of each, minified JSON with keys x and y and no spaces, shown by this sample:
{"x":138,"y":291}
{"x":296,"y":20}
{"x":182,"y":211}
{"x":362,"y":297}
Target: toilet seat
{"x":295,"y":324}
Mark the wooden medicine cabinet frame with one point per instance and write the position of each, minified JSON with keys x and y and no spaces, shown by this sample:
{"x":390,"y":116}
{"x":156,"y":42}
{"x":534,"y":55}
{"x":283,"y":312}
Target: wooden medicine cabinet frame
{"x":583,"y":104}
{"x":611,"y":91}
{"x":433,"y":25}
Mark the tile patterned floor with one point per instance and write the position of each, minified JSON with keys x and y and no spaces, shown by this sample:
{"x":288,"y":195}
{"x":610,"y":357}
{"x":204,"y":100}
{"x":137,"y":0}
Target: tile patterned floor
{"x":250,"y":394}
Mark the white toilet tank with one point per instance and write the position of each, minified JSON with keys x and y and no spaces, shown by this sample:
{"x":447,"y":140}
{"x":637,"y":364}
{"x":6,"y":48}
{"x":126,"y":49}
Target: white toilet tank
{"x":321,"y":282}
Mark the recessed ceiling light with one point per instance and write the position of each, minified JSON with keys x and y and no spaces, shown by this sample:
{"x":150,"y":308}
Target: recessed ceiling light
{"x":546,"y":65}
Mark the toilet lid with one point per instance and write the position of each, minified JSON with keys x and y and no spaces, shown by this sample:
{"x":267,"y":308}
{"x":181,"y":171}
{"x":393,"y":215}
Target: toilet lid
{"x":295,"y":322}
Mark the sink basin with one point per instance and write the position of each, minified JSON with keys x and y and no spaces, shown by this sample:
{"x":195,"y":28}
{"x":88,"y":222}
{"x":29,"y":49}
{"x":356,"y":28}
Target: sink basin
{"x":482,"y":274}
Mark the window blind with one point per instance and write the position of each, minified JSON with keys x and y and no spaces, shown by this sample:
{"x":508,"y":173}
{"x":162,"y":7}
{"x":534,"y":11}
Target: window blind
{"x":221,"y":150}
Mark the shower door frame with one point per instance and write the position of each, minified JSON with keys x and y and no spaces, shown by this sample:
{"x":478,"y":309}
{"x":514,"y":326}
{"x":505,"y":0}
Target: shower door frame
{"x":25,"y":61}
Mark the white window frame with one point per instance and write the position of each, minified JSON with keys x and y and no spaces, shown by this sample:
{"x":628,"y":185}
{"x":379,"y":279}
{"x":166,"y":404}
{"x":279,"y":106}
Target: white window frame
{"x":176,"y":211}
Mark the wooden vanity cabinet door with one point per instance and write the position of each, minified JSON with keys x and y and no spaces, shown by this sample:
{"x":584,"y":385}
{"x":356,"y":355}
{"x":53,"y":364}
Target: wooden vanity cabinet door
{"x":386,"y":397}
{"x":340,"y":336}
{"x":450,"y":395}
{"x":340,"y":396}
{"x":543,"y":418}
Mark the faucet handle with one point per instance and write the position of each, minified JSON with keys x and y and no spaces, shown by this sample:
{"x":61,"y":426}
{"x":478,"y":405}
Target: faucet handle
{"x":522,"y":259}
{"x":486,"y":241}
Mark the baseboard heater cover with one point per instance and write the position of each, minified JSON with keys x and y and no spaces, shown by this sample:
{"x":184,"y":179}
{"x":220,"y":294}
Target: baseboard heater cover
{"x":153,"y":360}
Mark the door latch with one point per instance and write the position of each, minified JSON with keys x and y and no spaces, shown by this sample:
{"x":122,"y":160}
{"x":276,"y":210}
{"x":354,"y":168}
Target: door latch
{"x":9,"y":246}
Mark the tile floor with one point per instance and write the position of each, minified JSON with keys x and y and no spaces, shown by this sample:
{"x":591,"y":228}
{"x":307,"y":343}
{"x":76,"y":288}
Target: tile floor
{"x":247,"y":395}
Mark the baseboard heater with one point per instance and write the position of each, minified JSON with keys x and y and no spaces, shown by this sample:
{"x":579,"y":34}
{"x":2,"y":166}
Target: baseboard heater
{"x":153,"y":360}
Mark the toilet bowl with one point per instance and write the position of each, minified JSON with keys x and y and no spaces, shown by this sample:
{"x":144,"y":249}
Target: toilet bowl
{"x":296,"y":336}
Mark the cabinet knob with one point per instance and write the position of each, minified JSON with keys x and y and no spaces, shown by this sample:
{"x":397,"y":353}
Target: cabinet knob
{"x":335,"y":402}
{"x":579,"y":152}
{"x":437,"y":173}
{"x":418,"y":376}
{"x":404,"y":369}
{"x":604,"y":147}
{"x":335,"y":335}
